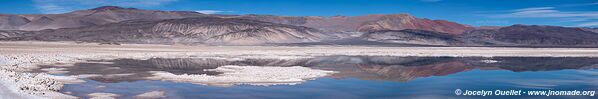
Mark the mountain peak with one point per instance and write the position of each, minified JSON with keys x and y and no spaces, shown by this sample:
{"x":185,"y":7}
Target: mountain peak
{"x":394,"y":15}
{"x":103,"y":8}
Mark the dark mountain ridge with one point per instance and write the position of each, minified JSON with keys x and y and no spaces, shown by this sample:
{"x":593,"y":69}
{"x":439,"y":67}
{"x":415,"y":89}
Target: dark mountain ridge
{"x":514,"y":36}
{"x":532,"y":35}
{"x":411,"y":36}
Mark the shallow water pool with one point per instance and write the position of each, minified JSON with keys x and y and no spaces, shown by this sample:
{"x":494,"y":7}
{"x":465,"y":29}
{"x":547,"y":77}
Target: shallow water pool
{"x":357,"y":77}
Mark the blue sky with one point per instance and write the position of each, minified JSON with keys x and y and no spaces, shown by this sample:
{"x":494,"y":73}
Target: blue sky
{"x":582,"y":13}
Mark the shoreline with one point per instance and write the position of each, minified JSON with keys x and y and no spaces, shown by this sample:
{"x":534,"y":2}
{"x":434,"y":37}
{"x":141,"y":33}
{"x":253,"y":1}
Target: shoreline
{"x":16,"y":58}
{"x":71,"y":47}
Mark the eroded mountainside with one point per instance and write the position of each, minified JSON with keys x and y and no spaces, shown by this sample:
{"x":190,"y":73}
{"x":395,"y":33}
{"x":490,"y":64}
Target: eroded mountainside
{"x":410,"y":36}
{"x":366,"y":23}
{"x":4,"y":34}
{"x":516,"y":35}
{"x":112,"y":14}
{"x":206,"y":30}
{"x":532,"y":35}
{"x":81,"y":18}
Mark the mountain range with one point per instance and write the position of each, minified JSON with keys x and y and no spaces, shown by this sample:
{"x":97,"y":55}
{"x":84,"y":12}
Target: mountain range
{"x":131,"y":25}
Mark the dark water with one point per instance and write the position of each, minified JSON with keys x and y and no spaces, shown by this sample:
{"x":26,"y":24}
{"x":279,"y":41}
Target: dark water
{"x":358,"y":77}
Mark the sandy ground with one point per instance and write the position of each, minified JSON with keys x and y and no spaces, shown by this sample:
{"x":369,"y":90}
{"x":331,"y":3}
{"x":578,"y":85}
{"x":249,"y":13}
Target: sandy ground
{"x":16,"y":58}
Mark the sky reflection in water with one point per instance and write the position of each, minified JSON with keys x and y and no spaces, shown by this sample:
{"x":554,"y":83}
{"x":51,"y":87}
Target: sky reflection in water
{"x":386,"y":77}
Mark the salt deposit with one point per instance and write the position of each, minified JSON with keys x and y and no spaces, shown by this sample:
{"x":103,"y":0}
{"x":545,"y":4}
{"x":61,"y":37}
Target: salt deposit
{"x":103,"y":96}
{"x":251,"y":75}
{"x":152,"y":95}
{"x":489,"y":61}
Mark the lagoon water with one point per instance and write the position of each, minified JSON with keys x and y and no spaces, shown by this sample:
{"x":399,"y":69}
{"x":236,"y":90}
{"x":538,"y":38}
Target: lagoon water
{"x":358,"y":77}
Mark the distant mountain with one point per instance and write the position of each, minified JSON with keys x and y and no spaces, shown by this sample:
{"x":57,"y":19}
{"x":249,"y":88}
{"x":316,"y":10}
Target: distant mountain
{"x":365,"y":23}
{"x":129,"y":25}
{"x":112,"y":14}
{"x":81,"y":18}
{"x":410,"y":36}
{"x":199,"y":30}
{"x":516,"y":35}
{"x":595,"y":30}
{"x":532,"y":35}
{"x":487,"y":27}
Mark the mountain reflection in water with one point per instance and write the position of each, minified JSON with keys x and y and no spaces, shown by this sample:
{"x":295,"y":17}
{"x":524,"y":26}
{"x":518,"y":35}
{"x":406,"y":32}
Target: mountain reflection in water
{"x":387,"y":68}
{"x":382,"y":77}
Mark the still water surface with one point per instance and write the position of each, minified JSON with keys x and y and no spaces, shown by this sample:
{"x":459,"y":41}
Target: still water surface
{"x":357,"y":77}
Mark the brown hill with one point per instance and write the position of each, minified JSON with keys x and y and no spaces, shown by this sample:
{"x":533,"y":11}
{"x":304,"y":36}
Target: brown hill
{"x":366,"y":23}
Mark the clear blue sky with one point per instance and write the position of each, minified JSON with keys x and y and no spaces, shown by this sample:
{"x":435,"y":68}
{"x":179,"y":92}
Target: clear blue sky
{"x":472,"y":12}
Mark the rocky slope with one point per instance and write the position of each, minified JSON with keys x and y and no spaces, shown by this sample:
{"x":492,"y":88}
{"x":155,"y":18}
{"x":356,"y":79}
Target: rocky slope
{"x":112,"y":14}
{"x":365,"y":23}
{"x":516,"y":35}
{"x":531,"y":35}
{"x":81,"y":18}
{"x":13,"y":33}
{"x":206,"y":30}
{"x":410,"y":36}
